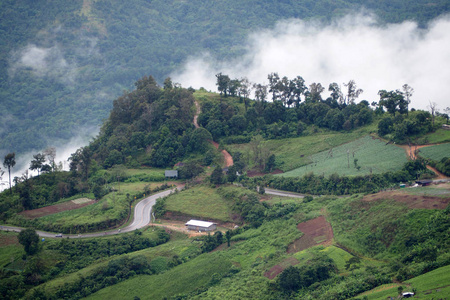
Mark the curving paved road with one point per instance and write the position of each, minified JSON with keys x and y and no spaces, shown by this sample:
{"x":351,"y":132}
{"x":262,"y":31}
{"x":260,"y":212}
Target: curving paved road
{"x":141,"y":219}
{"x":283,"y":193}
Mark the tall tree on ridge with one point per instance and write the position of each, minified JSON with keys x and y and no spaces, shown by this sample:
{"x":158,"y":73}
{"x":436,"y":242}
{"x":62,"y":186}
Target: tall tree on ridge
{"x":433,"y":110}
{"x":407,"y":92}
{"x":315,"y":89}
{"x":10,"y":162}
{"x":50,"y":154}
{"x":223,"y":82}
{"x":37,"y":162}
{"x":273,"y":85}
{"x":352,"y":91}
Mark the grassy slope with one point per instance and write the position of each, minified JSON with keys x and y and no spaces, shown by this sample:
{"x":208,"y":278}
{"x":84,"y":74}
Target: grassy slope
{"x":373,"y":155}
{"x":111,"y":205}
{"x":432,"y":285}
{"x":10,"y":249}
{"x":180,"y":280}
{"x":257,"y":250}
{"x":437,"y":152}
{"x":292,"y":153}
{"x":439,"y":136}
{"x":179,"y":245}
{"x":200,"y":201}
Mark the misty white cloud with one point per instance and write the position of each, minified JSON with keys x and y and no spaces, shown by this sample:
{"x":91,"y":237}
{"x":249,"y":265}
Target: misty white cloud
{"x":43,"y":61}
{"x":354,"y":47}
{"x":52,"y":60}
{"x":63,"y":151}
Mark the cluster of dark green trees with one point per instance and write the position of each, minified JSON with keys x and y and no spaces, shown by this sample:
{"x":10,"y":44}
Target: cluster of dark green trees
{"x":344,"y":185}
{"x":150,"y":125}
{"x":318,"y":269}
{"x":442,"y":166}
{"x":292,"y":108}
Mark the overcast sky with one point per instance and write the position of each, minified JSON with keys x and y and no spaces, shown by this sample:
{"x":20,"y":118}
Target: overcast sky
{"x":354,"y":47}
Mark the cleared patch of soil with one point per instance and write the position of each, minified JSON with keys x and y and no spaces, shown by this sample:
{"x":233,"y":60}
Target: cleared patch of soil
{"x":277,"y":269}
{"x":255,"y":173}
{"x":315,"y":232}
{"x":412,"y":201}
{"x":52,"y":209}
{"x":6,"y":240}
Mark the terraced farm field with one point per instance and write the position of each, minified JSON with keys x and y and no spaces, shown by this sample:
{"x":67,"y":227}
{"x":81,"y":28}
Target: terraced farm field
{"x":360,"y":157}
{"x":436,"y":152}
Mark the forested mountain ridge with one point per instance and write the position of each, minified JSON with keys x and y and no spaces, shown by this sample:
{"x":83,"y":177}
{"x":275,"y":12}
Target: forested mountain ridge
{"x":62,"y":64}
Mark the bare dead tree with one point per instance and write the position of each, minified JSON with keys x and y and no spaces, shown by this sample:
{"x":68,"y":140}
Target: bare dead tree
{"x":433,"y":110}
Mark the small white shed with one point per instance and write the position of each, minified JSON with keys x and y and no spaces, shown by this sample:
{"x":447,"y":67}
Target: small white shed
{"x":201,"y":225}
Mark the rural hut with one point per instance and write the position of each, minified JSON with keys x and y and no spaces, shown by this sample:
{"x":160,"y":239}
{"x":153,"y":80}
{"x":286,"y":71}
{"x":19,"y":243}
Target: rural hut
{"x":171,"y":173}
{"x":201,"y":225}
{"x":424,"y":182}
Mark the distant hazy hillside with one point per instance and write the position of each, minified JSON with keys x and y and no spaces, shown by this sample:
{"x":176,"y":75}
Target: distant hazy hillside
{"x":62,"y":63}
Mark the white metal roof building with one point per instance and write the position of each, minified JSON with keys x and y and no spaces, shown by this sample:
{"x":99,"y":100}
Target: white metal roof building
{"x":201,"y":225}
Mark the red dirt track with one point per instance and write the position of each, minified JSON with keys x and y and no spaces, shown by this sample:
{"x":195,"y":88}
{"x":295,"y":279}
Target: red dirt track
{"x":412,"y":201}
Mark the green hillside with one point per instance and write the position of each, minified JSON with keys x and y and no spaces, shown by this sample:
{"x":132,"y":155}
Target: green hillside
{"x":437,"y":152}
{"x":360,"y":157}
{"x":62,"y":64}
{"x":352,"y":229}
{"x":375,"y":243}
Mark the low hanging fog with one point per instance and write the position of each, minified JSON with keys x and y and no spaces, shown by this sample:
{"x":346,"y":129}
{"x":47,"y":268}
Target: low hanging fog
{"x":354,"y":47}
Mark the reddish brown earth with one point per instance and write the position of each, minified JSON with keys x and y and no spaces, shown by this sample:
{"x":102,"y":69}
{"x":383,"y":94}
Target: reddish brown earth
{"x":275,"y":270}
{"x":315,"y":232}
{"x":411,"y":152}
{"x":254,"y":173}
{"x":6,"y":240}
{"x":197,"y":106}
{"x":227,"y":157}
{"x":48,"y":210}
{"x":412,"y":201}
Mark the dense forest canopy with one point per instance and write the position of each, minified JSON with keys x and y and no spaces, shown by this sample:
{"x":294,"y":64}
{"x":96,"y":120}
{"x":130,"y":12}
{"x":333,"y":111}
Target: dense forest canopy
{"x":61,"y":64}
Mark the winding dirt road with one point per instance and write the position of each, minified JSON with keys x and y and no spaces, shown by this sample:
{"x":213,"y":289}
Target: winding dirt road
{"x":228,"y":159}
{"x":411,"y":152}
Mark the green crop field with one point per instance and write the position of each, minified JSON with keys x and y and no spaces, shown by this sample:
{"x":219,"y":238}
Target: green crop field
{"x":371,"y":155}
{"x":10,"y":249}
{"x":181,"y":279}
{"x":339,"y":257}
{"x":180,"y":246}
{"x":432,"y":285}
{"x":436,"y":152}
{"x":200,"y":201}
{"x":292,"y":153}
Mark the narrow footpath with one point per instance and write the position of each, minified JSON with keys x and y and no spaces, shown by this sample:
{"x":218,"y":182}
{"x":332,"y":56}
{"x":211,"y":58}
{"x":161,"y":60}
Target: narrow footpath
{"x":228,"y":159}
